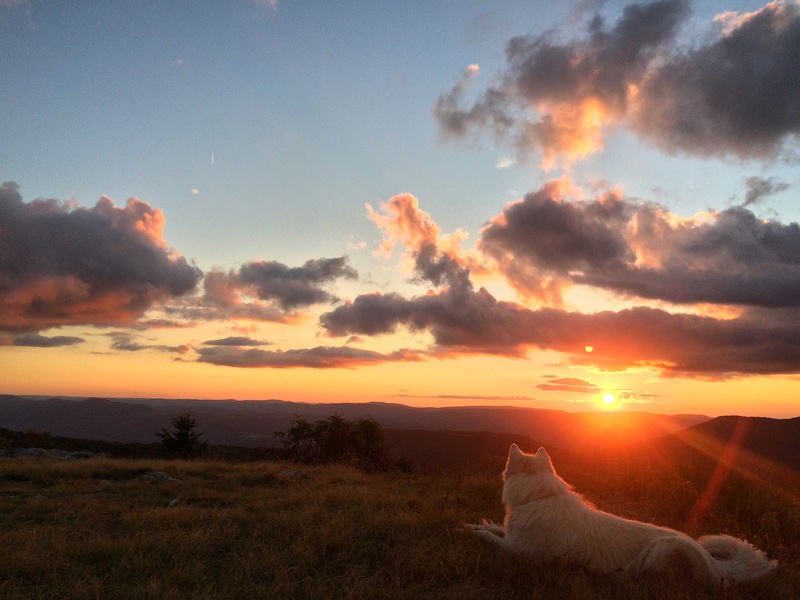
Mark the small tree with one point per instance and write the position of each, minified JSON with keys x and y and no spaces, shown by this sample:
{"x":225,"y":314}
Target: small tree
{"x":336,"y":440}
{"x":183,"y":440}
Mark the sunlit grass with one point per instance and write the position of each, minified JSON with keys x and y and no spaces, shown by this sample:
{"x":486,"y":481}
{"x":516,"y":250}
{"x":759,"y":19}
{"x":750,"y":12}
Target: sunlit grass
{"x":93,"y":529}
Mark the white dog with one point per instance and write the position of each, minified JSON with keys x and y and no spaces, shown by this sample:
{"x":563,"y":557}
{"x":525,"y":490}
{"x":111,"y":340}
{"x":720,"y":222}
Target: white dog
{"x":547,"y":520}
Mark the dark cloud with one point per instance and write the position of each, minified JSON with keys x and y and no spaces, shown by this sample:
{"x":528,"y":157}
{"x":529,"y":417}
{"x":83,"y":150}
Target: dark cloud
{"x":574,"y":89}
{"x":477,"y":323}
{"x":544,"y":239}
{"x":758,"y":188}
{"x":64,"y":264}
{"x":547,"y":241}
{"x":35,"y":340}
{"x":321,"y":357}
{"x":626,"y":246}
{"x":267,"y":290}
{"x":234,"y":341}
{"x":293,"y":287}
{"x":737,"y":93}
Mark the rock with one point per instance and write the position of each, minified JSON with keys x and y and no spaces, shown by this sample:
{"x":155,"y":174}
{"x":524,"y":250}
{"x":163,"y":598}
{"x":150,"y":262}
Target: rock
{"x":34,"y":452}
{"x":157,"y":476}
{"x":293,"y":473}
{"x":54,"y":454}
{"x":84,"y":454}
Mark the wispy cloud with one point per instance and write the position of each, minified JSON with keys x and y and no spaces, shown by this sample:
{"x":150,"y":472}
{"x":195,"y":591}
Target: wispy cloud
{"x":235,"y":340}
{"x":470,"y":397}
{"x":35,"y":340}
{"x":321,"y":357}
{"x":569,"y":384}
{"x":129,"y":342}
{"x":759,"y":188}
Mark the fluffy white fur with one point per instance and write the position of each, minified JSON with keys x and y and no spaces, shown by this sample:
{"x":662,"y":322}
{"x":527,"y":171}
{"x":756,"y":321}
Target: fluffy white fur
{"x":547,"y":520}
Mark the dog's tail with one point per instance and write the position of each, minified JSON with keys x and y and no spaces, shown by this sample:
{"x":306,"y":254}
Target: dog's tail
{"x":737,"y":560}
{"x":675,"y":556}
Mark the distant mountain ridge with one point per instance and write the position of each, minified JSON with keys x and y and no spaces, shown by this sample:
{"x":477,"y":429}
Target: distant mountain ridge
{"x":252,"y":423}
{"x":459,"y":437}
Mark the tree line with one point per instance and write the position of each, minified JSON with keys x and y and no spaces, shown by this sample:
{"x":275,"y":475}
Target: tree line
{"x":337,"y":440}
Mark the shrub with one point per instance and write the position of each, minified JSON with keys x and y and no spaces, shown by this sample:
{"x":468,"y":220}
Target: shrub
{"x":336,"y":440}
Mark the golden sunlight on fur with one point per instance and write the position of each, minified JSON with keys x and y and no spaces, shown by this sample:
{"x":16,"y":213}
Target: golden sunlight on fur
{"x":547,"y":520}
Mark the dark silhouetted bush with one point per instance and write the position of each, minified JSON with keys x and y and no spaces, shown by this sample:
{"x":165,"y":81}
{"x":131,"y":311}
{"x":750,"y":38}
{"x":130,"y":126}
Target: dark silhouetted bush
{"x":183,"y":440}
{"x":336,"y":440}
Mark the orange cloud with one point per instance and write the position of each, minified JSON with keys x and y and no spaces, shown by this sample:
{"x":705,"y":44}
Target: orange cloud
{"x":403,"y":222}
{"x":567,"y":131}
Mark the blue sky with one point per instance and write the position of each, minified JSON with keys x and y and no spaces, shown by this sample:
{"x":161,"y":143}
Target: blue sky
{"x":262,"y":130}
{"x":309,"y":110}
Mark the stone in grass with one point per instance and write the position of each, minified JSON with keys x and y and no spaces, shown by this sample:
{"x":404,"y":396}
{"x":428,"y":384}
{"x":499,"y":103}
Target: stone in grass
{"x":293,"y":473}
{"x":157,"y":476}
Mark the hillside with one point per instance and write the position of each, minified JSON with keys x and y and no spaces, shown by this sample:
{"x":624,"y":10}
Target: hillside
{"x":749,"y":441}
{"x":104,"y":528}
{"x":253,"y":423}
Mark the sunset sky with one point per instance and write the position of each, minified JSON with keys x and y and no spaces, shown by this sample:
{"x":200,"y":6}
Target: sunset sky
{"x":526,"y":203}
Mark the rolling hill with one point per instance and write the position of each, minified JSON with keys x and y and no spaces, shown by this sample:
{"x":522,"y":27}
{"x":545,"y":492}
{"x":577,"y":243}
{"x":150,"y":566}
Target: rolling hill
{"x":253,"y":423}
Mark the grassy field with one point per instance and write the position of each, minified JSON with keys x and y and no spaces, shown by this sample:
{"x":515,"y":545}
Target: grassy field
{"x":95,"y":529}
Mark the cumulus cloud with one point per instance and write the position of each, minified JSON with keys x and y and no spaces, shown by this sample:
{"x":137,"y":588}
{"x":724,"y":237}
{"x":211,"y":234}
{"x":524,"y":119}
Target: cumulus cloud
{"x":435,"y":257}
{"x":35,"y":340}
{"x":321,"y":357}
{"x":293,"y":287}
{"x":549,"y":240}
{"x":545,"y":238}
{"x":403,"y":222}
{"x":559,"y":97}
{"x":625,"y":246}
{"x":281,"y":286}
{"x":736,"y":95}
{"x":732,"y":94}
{"x":65,"y":264}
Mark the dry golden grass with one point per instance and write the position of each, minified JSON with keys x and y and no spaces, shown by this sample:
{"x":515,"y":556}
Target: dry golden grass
{"x":93,"y":529}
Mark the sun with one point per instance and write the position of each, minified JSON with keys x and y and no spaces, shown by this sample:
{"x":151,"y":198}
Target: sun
{"x":609,"y":398}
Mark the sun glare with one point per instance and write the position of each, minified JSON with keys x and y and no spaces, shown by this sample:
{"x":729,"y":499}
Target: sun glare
{"x":609,"y":398}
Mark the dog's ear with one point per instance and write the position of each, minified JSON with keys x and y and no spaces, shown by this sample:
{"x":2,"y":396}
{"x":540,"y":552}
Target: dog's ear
{"x":544,"y":459}
{"x":514,"y":451}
